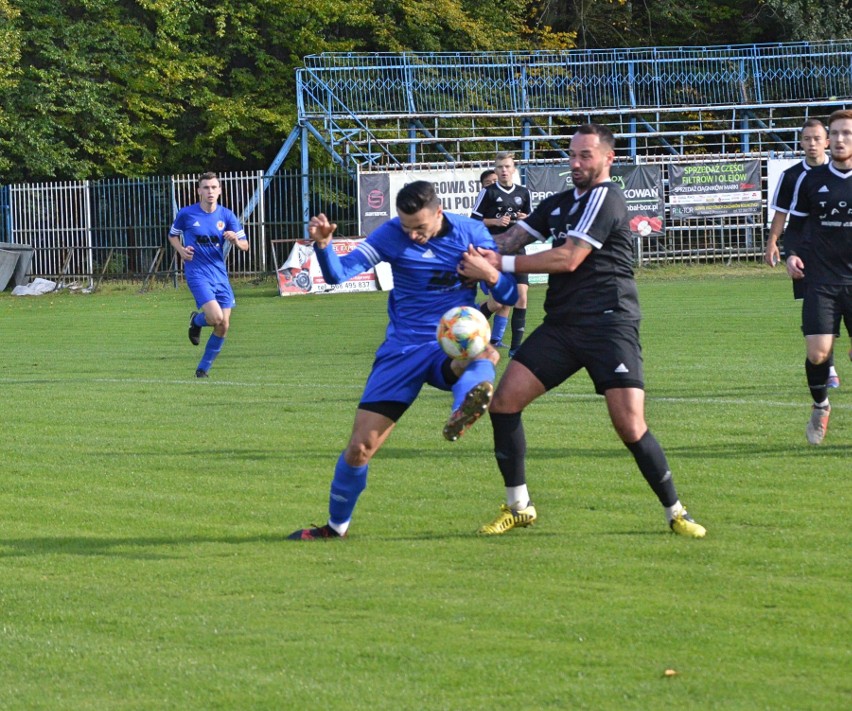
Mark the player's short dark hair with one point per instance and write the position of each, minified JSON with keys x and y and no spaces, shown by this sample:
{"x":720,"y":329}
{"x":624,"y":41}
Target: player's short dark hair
{"x":485,"y":173}
{"x":602,"y":132}
{"x":415,"y":196}
{"x":814,"y":123}
{"x":209,"y":175}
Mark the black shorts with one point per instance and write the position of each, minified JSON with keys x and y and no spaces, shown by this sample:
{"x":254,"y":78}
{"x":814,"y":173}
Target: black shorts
{"x":522,"y":278}
{"x":823,"y":308}
{"x":609,"y":351}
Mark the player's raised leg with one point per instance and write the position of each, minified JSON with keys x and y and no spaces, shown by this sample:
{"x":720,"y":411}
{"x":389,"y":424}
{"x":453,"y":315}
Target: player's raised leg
{"x":472,"y":392}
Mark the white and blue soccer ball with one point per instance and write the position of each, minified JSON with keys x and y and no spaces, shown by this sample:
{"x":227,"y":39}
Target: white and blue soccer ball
{"x":463,"y":332}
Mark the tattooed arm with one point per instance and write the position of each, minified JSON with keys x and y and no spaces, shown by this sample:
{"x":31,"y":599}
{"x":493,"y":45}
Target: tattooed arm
{"x":513,"y":240}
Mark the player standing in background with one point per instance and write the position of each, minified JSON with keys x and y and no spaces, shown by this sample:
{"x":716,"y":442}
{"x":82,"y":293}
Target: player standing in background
{"x":814,"y":142}
{"x":424,"y":246}
{"x":823,"y":197}
{"x":499,"y":206}
{"x":591,"y":321}
{"x":487,"y":177}
{"x":199,"y":234}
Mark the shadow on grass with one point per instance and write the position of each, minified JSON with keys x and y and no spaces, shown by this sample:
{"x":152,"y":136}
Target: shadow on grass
{"x":130,"y":547}
{"x":123,"y":547}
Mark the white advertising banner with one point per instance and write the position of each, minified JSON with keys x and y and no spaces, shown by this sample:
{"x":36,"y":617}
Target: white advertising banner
{"x":300,"y":273}
{"x":774,"y":168}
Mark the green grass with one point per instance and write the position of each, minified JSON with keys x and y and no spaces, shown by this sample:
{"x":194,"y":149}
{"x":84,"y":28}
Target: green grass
{"x":143,"y":514}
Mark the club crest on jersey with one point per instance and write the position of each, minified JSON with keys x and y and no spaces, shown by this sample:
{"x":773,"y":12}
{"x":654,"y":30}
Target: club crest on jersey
{"x":220,"y":225}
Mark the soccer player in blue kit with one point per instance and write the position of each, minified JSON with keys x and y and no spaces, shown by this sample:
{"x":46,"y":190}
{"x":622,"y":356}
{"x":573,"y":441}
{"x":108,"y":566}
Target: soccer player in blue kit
{"x":424,"y":246}
{"x":199,"y":234}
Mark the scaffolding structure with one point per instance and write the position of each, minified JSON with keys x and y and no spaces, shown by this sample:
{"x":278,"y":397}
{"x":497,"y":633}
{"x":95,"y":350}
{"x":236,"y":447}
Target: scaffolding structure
{"x":396,"y":109}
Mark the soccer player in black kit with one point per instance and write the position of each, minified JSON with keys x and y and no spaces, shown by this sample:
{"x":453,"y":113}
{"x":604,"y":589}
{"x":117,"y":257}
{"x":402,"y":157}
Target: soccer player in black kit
{"x":500,"y":205}
{"x":823,"y":200}
{"x":591,"y":321}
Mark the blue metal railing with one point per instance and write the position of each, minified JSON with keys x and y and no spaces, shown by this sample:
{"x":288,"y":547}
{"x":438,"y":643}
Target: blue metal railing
{"x":529,"y":83}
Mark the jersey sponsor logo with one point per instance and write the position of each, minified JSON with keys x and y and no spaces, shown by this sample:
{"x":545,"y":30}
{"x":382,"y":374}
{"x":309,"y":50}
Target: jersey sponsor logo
{"x":823,"y":189}
{"x":428,"y":254}
{"x":196,"y":224}
{"x":443,"y":281}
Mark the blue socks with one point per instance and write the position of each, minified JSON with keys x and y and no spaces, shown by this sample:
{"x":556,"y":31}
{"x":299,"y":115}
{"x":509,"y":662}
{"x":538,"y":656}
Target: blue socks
{"x":211,"y":350}
{"x":346,"y":487}
{"x":199,"y":320}
{"x":499,"y":328}
{"x":474,"y":374}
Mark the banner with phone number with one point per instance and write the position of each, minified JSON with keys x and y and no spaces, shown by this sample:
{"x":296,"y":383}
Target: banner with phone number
{"x":300,"y":273}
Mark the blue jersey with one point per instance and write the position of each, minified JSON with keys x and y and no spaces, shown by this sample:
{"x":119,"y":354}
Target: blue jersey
{"x":203,"y":231}
{"x":426,"y":283}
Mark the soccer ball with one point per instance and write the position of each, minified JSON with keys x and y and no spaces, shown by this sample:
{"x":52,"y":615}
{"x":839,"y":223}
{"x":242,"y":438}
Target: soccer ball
{"x":463,"y":332}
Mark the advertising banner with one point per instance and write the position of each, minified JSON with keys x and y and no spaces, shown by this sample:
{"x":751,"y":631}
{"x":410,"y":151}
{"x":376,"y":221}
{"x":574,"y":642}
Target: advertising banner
{"x":721,"y":189}
{"x":457,"y":189}
{"x":642,"y":186}
{"x":300,"y":273}
{"x":774,"y":168}
{"x":375,"y":206}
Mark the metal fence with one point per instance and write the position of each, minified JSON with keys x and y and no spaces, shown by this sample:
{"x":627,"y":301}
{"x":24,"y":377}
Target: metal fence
{"x":396,"y":108}
{"x":117,"y":229}
{"x":522,"y":83}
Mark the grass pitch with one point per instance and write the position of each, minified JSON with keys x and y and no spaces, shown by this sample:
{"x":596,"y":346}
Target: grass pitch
{"x":143,"y":516}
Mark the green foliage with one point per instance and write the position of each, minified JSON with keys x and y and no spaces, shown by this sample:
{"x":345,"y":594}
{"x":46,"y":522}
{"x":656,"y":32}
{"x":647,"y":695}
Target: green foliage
{"x":641,"y":23}
{"x":100,"y":88}
{"x":813,"y":21}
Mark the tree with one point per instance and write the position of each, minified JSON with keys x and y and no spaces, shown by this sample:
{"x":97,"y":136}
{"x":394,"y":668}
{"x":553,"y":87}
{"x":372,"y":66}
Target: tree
{"x":813,"y":21}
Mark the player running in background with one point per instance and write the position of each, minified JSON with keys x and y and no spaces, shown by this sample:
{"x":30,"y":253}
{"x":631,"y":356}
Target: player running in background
{"x":823,"y":198}
{"x":591,"y":321}
{"x":500,"y":205}
{"x":814,"y":142}
{"x":199,"y":234}
{"x":424,"y":246}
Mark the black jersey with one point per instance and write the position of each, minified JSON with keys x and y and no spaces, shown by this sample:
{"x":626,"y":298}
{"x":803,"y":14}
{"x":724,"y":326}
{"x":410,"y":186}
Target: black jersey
{"x":795,"y":237}
{"x":823,"y":197}
{"x":603,"y":286}
{"x":496,"y":201}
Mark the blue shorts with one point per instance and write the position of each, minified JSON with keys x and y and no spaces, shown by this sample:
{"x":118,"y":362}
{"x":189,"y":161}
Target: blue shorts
{"x":400,"y":371}
{"x":203,"y":291}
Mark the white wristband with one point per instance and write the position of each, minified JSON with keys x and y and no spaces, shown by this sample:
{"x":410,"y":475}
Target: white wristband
{"x":507,"y":264}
